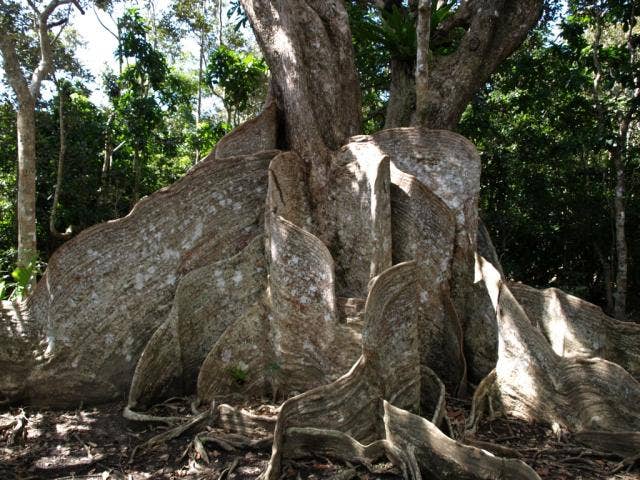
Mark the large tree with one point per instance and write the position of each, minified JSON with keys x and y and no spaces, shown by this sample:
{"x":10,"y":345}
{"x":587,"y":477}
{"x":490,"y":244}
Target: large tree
{"x":335,"y":270}
{"x":16,"y":29}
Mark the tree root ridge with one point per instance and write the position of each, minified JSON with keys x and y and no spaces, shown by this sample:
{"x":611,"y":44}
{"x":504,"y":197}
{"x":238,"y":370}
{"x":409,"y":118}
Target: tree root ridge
{"x":576,"y":328}
{"x":533,"y":382}
{"x":245,"y":293}
{"x":349,"y":420}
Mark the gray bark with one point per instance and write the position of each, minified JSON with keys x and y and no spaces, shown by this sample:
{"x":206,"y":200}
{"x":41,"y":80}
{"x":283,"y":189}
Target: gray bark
{"x":423,"y":33}
{"x":309,"y":51}
{"x":27,"y":248}
{"x":402,"y":94}
{"x":60,"y":170}
{"x":620,"y":292}
{"x":27,"y":94}
{"x":494,"y":29}
{"x":219,"y":276}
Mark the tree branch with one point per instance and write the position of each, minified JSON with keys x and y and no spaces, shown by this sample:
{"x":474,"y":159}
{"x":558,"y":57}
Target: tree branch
{"x":46,"y":50}
{"x":103,"y":25}
{"x":12,"y":68}
{"x":495,"y":29}
{"x":57,"y":23}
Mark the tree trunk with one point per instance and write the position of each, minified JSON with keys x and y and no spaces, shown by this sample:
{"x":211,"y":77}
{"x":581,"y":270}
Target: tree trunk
{"x":308,"y":48}
{"x":494,"y":29}
{"x":200,"y":76}
{"x":59,"y":171}
{"x":423,"y":32}
{"x":402,"y":94}
{"x":27,"y":249}
{"x":137,"y":176}
{"x":27,"y":94}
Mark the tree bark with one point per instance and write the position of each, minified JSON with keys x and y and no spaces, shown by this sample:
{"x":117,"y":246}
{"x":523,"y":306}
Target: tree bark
{"x":27,"y":248}
{"x":402,"y":94}
{"x":423,"y":32}
{"x":622,"y":263}
{"x":493,"y":30}
{"x":199,"y":101}
{"x":60,"y":170}
{"x":27,"y":94}
{"x":307,"y":45}
{"x":137,"y":176}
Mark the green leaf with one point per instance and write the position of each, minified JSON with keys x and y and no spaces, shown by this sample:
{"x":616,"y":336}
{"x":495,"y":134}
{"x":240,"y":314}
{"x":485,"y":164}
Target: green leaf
{"x":22,"y":275}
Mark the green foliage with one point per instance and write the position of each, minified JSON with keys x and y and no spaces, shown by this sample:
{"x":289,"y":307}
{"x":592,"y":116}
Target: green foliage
{"x":240,"y":372}
{"x":23,"y":277}
{"x":547,"y":183}
{"x":239,"y":74}
{"x":208,"y":133}
{"x":237,"y":12}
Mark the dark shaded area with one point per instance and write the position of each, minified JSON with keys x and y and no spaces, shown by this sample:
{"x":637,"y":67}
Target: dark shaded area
{"x":97,"y":443}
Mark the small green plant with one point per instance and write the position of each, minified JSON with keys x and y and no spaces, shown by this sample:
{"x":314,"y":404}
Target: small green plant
{"x":23,"y":279}
{"x":239,"y":373}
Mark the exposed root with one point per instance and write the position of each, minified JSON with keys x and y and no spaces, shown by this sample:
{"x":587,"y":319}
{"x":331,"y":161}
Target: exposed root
{"x":348,"y":419}
{"x":624,"y":444}
{"x":499,"y":450}
{"x":173,"y":432}
{"x":129,"y":414}
{"x":240,"y":421}
{"x":18,"y":432}
{"x":229,"y":470}
{"x":627,"y":463}
{"x":570,"y":393}
{"x":576,"y":328}
{"x":437,"y":454}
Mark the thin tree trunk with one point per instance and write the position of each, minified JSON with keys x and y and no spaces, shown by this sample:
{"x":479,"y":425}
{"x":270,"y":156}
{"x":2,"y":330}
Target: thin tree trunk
{"x":106,"y":163}
{"x":620,"y":294}
{"x":137,"y":172}
{"x":27,"y":94}
{"x":27,"y":249}
{"x":200,"y":75}
{"x":423,"y":32}
{"x":606,"y":278}
{"x":60,"y":170}
{"x":220,"y":24}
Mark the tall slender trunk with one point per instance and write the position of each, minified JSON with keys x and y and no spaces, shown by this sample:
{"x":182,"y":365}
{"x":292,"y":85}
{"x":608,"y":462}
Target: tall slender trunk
{"x":137,"y":175}
{"x":60,"y":170}
{"x":622,"y":263}
{"x":199,"y":106}
{"x":106,"y":162}
{"x":200,"y":75}
{"x":423,"y":32}
{"x":605,"y":262}
{"x":27,"y":249}
{"x":220,"y":23}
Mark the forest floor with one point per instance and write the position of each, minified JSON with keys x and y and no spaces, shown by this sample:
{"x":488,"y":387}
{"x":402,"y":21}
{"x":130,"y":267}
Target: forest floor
{"x":98,"y":443}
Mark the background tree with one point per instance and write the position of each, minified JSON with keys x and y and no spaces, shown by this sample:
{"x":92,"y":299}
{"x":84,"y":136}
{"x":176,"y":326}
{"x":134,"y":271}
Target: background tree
{"x":17,"y":24}
{"x":548,"y":176}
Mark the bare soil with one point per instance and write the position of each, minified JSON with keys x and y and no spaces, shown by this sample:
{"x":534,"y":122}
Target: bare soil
{"x":98,"y":443}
